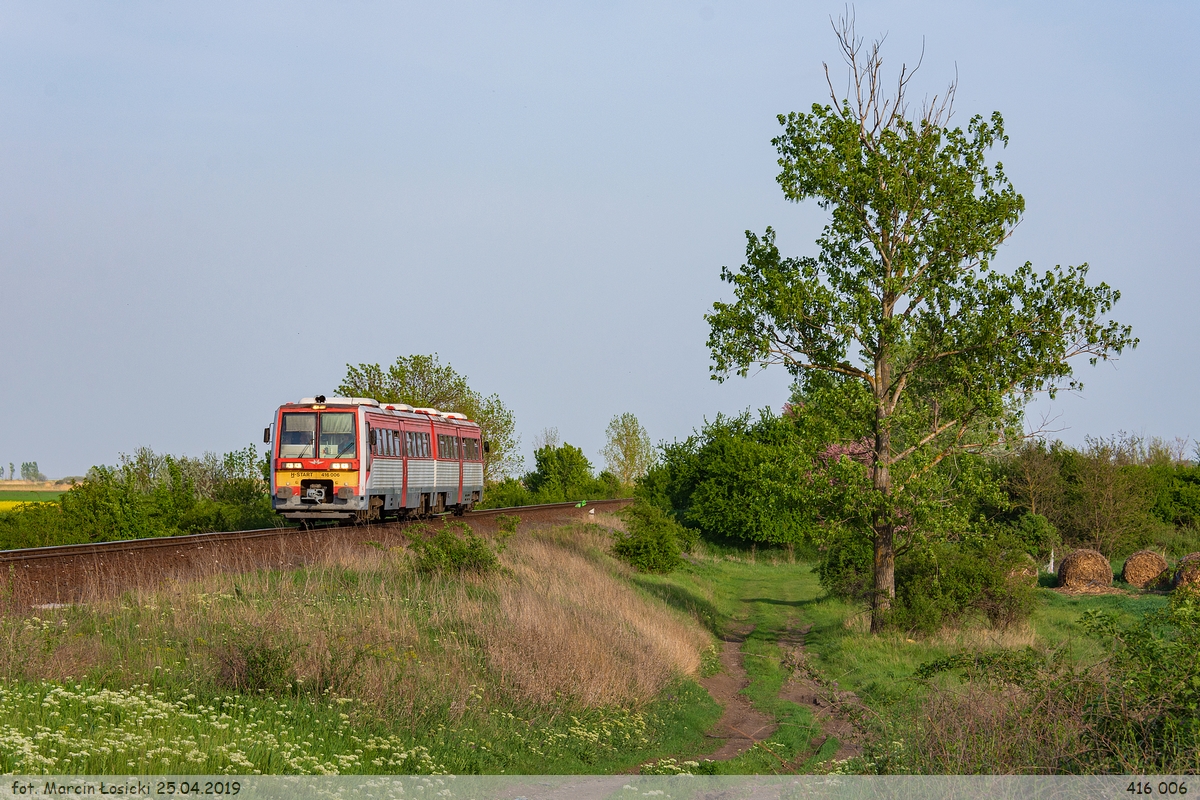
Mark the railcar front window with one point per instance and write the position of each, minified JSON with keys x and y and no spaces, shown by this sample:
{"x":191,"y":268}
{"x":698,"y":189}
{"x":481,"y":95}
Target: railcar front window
{"x":337,"y":435}
{"x":297,"y":436}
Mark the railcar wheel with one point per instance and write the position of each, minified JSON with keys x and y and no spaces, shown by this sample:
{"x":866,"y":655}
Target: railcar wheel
{"x":371,"y":513}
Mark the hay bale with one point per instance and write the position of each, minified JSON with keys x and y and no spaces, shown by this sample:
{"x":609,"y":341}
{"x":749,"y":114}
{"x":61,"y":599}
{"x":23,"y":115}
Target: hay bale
{"x":1143,"y":569}
{"x":1084,"y":569}
{"x":1187,"y":571}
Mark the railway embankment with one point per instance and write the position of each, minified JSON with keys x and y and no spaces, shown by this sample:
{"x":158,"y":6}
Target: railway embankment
{"x":360,"y":660}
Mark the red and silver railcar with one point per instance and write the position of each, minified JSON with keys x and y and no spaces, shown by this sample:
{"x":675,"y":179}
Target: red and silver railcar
{"x":351,"y":458}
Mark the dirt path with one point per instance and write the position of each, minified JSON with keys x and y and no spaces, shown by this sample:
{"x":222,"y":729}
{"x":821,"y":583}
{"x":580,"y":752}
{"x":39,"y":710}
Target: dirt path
{"x":835,"y":711}
{"x":741,"y":726}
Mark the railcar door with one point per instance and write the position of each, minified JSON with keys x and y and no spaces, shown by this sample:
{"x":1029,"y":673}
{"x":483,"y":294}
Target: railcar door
{"x":421,"y":474}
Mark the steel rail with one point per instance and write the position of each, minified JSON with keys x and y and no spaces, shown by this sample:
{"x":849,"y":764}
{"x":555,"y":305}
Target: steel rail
{"x":216,"y":537}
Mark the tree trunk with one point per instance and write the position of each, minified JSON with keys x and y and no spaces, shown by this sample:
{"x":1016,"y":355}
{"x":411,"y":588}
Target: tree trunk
{"x":885,"y":575}
{"x":885,"y":551}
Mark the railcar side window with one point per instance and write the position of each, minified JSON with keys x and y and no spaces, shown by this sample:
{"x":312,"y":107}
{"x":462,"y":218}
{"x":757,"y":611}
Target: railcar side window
{"x":471,"y":449}
{"x":447,"y":446}
{"x":417,"y":444}
{"x":391,"y":443}
{"x":337,"y":435}
{"x":297,"y":436}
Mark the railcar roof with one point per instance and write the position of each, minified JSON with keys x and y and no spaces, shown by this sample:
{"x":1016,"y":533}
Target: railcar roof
{"x":373,"y":407}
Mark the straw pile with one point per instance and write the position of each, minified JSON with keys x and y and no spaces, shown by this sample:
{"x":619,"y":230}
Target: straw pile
{"x":1025,"y":571}
{"x":1084,"y":569}
{"x":1143,"y":569}
{"x":1187,"y":573}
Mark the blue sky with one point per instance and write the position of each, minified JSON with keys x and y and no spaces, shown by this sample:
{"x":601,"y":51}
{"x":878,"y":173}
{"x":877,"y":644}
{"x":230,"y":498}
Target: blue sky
{"x":209,"y":209}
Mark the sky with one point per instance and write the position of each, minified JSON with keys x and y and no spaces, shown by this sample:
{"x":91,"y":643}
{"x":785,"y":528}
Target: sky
{"x":209,"y":209}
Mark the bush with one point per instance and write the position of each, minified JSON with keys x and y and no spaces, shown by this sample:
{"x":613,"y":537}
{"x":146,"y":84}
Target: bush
{"x":846,"y":569}
{"x":1037,"y":535}
{"x":507,"y":493}
{"x":1145,"y":720}
{"x":1134,"y":712}
{"x":149,"y":495}
{"x":653,"y":540}
{"x":946,"y":582}
{"x":563,"y":474}
{"x":739,"y":479}
{"x":254,"y":660}
{"x":453,"y":549}
{"x":938,"y":584}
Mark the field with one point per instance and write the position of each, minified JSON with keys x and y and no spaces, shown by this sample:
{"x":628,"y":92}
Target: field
{"x":11,"y":499}
{"x":563,"y":660}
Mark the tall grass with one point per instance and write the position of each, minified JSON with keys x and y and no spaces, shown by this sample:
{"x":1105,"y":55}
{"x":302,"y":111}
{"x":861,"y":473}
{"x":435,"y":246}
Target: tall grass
{"x":364,"y":664}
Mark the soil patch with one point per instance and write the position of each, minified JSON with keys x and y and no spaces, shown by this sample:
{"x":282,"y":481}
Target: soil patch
{"x":741,"y":726}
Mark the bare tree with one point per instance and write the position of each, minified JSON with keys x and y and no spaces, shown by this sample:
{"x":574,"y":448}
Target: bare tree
{"x":547,"y":438}
{"x":1036,"y":479}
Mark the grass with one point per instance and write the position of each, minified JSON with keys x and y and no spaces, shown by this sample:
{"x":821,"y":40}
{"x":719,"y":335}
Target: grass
{"x":360,"y":664}
{"x":564,"y":661}
{"x":774,"y":595}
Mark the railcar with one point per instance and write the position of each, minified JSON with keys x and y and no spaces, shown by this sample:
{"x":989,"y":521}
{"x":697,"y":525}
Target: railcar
{"x":352,"y":458}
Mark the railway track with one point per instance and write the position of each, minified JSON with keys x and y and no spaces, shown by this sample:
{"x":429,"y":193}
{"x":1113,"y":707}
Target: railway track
{"x":75,"y":573}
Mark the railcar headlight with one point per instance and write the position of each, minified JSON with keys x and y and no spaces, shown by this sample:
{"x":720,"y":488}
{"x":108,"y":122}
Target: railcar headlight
{"x":340,"y":466}
{"x":292,"y":465}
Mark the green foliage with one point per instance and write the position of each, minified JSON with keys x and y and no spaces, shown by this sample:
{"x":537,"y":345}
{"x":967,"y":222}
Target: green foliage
{"x":846,"y":566}
{"x":653,"y":540}
{"x":1036,"y":535}
{"x":627,"y":451}
{"x":1176,"y":492}
{"x":739,"y":479}
{"x":945,"y":582}
{"x":453,"y":549}
{"x":507,"y":493}
{"x":1115,"y":494}
{"x":425,"y":382}
{"x":563,"y":474}
{"x":1148,"y":718}
{"x":901,"y":297}
{"x":1137,"y":711}
{"x":940,"y":584}
{"x":148,"y":495}
{"x":804,"y":477}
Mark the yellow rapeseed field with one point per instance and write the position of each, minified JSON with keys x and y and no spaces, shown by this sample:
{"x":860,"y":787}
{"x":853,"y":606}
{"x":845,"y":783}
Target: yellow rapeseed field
{"x":9,"y":505}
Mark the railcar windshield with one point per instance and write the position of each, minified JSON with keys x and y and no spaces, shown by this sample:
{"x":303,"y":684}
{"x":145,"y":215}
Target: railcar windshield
{"x":297,"y":435}
{"x":299,"y":438}
{"x":337,"y":435}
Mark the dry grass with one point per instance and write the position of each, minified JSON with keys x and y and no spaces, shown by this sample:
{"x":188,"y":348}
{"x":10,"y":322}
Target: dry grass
{"x":558,"y":623}
{"x":976,"y":729}
{"x":980,"y":637}
{"x":563,"y":627}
